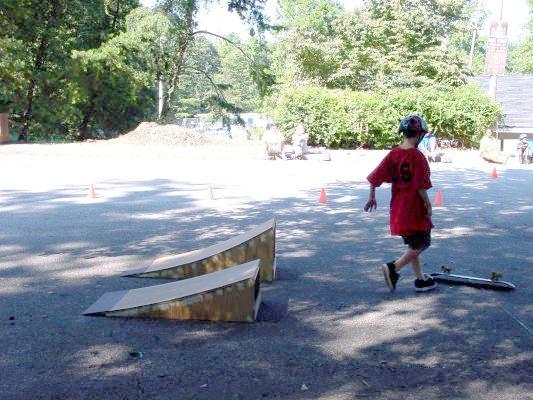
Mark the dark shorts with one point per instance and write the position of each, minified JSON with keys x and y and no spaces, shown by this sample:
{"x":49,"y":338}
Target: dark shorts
{"x":418,"y":241}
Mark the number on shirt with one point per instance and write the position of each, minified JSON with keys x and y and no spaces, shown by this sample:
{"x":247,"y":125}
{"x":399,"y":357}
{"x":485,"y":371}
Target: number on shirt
{"x":405,"y":172}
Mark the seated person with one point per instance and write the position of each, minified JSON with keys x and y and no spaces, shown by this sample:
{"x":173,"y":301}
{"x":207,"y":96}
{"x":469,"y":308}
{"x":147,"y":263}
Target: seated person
{"x":429,"y":147}
{"x":274,"y":143}
{"x":489,"y":149}
{"x":299,"y":142}
{"x":523,"y":149}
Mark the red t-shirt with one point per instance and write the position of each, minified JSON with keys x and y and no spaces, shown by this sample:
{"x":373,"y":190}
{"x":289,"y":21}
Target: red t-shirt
{"x":408,"y":171}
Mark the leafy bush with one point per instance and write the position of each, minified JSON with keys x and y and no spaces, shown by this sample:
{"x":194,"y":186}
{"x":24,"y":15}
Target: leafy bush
{"x":258,"y":132}
{"x":322,"y":112}
{"x":343,"y":118}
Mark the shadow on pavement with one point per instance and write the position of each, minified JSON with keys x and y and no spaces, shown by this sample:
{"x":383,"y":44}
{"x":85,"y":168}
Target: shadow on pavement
{"x":327,"y":323}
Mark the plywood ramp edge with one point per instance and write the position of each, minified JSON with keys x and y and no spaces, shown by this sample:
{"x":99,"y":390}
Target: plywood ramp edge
{"x":257,"y":243}
{"x":232,"y":294}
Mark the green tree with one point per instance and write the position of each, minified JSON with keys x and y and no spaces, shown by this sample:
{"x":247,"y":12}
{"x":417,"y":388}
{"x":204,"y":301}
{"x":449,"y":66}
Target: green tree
{"x":42,"y":35}
{"x":118,"y":80}
{"x":400,"y":44}
{"x":198,"y":91}
{"x":460,"y":48}
{"x":460,"y":40}
{"x":13,"y":69}
{"x":385,"y":43}
{"x":68,"y":66}
{"x":223,"y":78}
{"x":306,"y":52}
{"x":182,"y":15}
{"x":236,"y":73}
{"x":521,"y":55}
{"x":114,"y":83}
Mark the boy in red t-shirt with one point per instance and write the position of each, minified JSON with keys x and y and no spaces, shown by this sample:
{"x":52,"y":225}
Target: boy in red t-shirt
{"x":410,"y":209}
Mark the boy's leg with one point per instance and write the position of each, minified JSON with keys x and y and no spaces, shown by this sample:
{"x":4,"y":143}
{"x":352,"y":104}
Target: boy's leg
{"x":417,"y":244}
{"x":390,"y":270}
{"x":405,"y":259}
{"x":417,"y":268}
{"x":422,"y":282}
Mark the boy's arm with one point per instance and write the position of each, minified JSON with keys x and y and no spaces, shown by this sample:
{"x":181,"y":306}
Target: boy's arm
{"x":424,"y":195}
{"x":371,"y":204}
{"x":376,"y":178}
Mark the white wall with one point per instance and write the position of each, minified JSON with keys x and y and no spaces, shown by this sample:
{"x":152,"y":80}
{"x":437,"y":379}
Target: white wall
{"x":509,"y":146}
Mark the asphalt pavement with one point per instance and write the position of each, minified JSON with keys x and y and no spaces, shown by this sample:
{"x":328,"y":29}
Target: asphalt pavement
{"x":328,"y":327}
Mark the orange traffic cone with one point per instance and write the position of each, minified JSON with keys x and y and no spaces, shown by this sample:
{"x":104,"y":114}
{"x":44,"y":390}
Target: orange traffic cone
{"x":323,"y":198}
{"x":438,"y":199}
{"x":90,"y":192}
{"x":494,"y":174}
{"x":210,"y":193}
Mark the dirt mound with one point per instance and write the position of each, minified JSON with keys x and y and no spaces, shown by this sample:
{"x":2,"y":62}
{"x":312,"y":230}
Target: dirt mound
{"x":151,"y":133}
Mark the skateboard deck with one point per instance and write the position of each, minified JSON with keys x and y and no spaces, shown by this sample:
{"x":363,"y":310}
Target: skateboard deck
{"x":473,"y":281}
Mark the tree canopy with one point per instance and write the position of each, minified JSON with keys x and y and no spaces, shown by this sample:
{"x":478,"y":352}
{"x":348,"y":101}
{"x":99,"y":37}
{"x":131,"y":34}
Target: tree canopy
{"x":73,"y":68}
{"x":76,"y":69}
{"x":388,"y":43}
{"x":521,"y":56}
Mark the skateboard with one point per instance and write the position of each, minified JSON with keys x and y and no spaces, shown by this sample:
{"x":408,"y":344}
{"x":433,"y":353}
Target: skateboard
{"x":494,"y":282}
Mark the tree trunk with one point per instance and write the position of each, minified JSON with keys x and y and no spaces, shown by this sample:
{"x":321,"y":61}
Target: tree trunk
{"x":38,"y":63}
{"x":178,"y":65}
{"x":4,"y":128}
{"x":83,"y":131}
{"x":472,"y":47}
{"x":26,"y":115}
{"x":165,"y":106}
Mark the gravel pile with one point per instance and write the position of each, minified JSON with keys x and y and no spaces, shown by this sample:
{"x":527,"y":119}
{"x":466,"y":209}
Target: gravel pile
{"x":151,"y":133}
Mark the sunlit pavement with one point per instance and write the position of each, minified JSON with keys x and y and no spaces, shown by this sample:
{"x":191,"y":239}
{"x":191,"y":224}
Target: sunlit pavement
{"x":328,"y":328}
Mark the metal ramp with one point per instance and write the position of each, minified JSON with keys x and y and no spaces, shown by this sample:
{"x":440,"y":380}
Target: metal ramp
{"x":232,"y":294}
{"x":257,"y":243}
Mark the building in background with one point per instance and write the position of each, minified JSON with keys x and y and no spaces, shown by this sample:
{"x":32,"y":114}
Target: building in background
{"x":513,"y":92}
{"x":204,"y":123}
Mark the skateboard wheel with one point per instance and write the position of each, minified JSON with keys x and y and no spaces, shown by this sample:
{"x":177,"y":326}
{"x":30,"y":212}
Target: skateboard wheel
{"x":495,"y":276}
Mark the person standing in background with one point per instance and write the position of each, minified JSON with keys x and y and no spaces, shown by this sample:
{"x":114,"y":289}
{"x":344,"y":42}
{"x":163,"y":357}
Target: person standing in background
{"x":522,"y":149}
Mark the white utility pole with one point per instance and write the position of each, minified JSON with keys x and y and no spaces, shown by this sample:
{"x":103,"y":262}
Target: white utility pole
{"x":474,"y":35}
{"x":160,"y":95}
{"x":160,"y":83}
